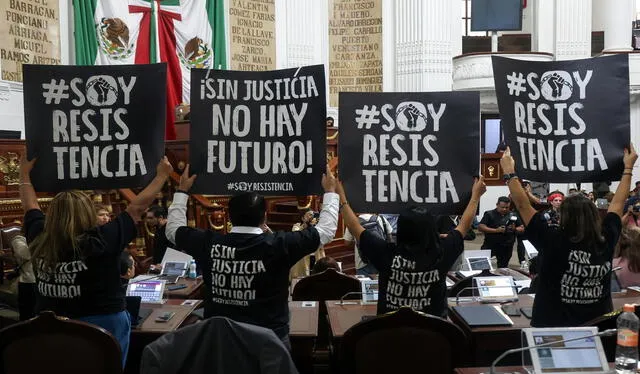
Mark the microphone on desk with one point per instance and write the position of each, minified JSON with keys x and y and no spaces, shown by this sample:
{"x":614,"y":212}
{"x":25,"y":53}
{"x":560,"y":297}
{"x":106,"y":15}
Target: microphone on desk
{"x":347,"y":295}
{"x":513,"y":287}
{"x":492,"y":369}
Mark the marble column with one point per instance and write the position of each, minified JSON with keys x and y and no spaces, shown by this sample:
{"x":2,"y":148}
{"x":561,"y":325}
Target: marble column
{"x":426,"y":34}
{"x":617,"y":18}
{"x":572,"y":26}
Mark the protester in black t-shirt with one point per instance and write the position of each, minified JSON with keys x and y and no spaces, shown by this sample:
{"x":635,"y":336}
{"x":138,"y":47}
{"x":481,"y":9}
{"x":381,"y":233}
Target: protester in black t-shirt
{"x":500,"y":227}
{"x":76,"y":262}
{"x":246,"y":272}
{"x":575,"y":258}
{"x":413,"y":270}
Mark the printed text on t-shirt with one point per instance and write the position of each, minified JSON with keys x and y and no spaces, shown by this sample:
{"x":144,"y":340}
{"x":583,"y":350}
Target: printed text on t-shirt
{"x":232,"y":280}
{"x":60,"y":282}
{"x":407,"y":287}
{"x":582,"y":283}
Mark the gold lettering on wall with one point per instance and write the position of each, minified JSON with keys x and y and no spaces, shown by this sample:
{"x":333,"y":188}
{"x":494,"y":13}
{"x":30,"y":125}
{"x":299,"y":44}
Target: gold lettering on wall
{"x":29,"y":34}
{"x":252,"y":28}
{"x":355,"y":47}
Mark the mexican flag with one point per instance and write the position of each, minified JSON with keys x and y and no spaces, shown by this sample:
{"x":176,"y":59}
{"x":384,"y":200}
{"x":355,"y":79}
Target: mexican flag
{"x":181,"y":33}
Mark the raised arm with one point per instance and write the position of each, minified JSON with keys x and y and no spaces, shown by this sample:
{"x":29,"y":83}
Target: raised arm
{"x":177,"y":215}
{"x":27,"y":192}
{"x":142,"y":201}
{"x":622,"y":192}
{"x":478,"y":189}
{"x":328,"y":221}
{"x":350,"y":219}
{"x":518,"y":194}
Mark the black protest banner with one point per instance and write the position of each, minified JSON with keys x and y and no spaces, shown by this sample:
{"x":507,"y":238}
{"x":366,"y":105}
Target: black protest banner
{"x":402,"y":149}
{"x":565,"y":121}
{"x":94,"y":127}
{"x":258,"y":131}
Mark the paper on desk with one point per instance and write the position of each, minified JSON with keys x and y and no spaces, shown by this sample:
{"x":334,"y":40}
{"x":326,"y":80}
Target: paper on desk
{"x":524,"y":283}
{"x":171,"y":255}
{"x":530,"y":249}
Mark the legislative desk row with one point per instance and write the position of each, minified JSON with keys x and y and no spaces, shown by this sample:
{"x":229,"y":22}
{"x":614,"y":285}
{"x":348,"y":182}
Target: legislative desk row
{"x":486,"y":343}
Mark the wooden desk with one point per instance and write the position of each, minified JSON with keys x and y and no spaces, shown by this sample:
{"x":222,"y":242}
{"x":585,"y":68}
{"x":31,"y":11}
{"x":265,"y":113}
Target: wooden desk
{"x":342,"y":317}
{"x":193,"y":291}
{"x":487,"y":343}
{"x":151,"y":330}
{"x":303,"y":330}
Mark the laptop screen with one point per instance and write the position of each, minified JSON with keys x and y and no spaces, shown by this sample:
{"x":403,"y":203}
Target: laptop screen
{"x":174,"y":268}
{"x":479,"y":263}
{"x":496,"y":287}
{"x":567,"y":357}
{"x":369,"y":290}
{"x":149,"y":291}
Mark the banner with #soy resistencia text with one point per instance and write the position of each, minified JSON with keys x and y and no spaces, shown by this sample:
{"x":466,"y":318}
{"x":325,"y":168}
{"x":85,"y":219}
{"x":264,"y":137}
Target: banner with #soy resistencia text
{"x":402,"y":149}
{"x":94,"y":127}
{"x":261,"y":131}
{"x":565,"y":121}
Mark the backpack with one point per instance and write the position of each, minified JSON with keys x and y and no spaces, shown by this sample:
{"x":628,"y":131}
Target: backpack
{"x":372,"y":225}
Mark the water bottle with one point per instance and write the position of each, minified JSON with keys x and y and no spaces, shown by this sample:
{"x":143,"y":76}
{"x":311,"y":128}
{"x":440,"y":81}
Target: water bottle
{"x":627,"y":349}
{"x":192,"y":270}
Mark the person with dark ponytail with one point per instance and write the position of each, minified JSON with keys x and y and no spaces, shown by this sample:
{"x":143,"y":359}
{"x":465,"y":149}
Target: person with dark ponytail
{"x":574,"y":257}
{"x":413,"y":270}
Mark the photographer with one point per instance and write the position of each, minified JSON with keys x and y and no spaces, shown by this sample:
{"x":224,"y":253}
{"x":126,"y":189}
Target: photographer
{"x":500,"y":227}
{"x":632,"y":217}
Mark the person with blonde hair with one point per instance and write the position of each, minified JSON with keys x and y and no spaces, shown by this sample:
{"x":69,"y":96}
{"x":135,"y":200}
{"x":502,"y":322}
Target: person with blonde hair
{"x":102,"y":214}
{"x":77,"y":262}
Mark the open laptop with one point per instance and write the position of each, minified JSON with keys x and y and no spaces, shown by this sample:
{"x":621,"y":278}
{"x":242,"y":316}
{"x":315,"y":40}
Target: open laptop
{"x":496,"y":289}
{"x":172,"y":270}
{"x":579,"y":356}
{"x":369,"y":291}
{"x":138,"y":314}
{"x":475,"y":265}
{"x":150,"y":290}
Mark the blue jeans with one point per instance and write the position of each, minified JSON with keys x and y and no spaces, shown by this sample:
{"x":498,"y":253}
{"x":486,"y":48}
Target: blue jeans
{"x":368,"y":270}
{"x":118,"y":324}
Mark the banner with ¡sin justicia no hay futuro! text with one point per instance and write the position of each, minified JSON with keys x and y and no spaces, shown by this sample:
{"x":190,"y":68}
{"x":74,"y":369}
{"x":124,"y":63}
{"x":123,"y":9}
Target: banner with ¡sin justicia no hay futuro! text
{"x":258,"y":131}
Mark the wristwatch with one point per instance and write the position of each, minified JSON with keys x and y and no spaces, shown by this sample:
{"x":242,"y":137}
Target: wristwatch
{"x":508,"y":177}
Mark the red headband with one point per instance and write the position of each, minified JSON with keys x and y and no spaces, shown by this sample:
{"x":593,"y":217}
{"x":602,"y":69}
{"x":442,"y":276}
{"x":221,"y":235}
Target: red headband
{"x":553,"y":196}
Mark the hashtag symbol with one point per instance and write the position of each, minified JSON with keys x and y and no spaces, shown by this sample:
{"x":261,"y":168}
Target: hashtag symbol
{"x":54,"y":91}
{"x":230,"y":186}
{"x":515,"y":84}
{"x":367,"y":117}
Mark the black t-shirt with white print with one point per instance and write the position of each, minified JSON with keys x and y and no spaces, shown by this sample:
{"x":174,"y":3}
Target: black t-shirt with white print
{"x":246,"y":276}
{"x":574,"y":282}
{"x":412,"y":279}
{"x":87,"y":283}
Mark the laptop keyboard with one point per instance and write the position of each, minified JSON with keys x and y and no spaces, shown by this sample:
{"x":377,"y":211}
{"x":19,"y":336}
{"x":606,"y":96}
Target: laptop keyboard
{"x":147,"y":297}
